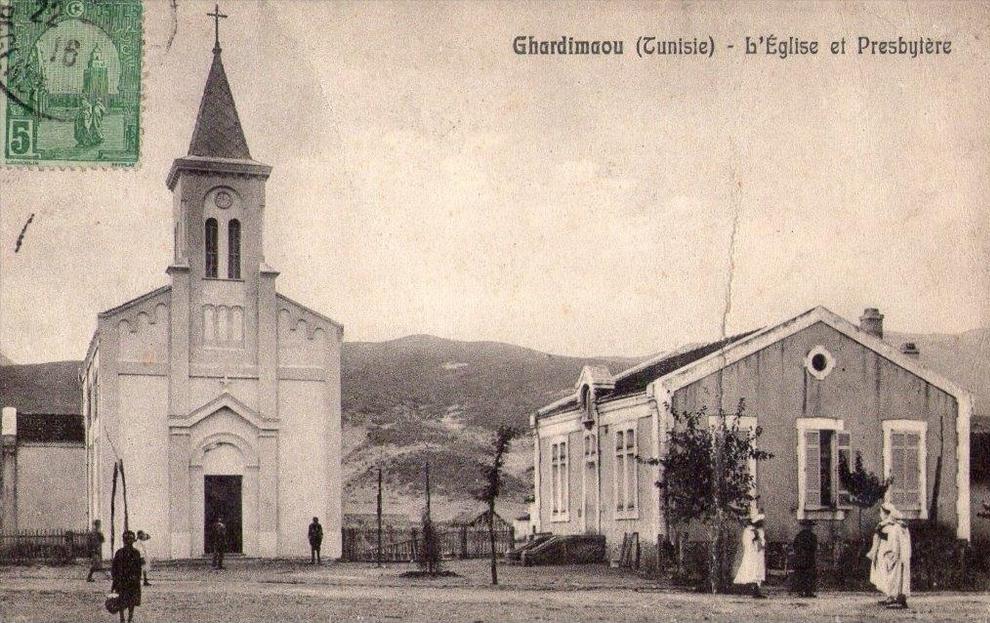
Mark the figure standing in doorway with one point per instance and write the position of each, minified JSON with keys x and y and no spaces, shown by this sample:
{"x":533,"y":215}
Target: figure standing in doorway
{"x":218,"y":532}
{"x":315,"y":541}
{"x":753,"y":568}
{"x":126,"y":573}
{"x":94,"y":544}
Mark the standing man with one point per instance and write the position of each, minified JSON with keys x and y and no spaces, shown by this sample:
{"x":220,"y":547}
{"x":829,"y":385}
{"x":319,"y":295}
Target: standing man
{"x":890,"y":556}
{"x":315,"y":540}
{"x":94,"y":544}
{"x":805,"y":570}
{"x":753,"y":568}
{"x":219,"y":535}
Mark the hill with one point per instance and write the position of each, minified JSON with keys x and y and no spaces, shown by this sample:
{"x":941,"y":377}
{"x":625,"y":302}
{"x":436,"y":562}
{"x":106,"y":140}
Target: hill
{"x":963,"y":358}
{"x":423,"y":398}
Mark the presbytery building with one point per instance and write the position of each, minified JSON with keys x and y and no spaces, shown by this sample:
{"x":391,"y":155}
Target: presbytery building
{"x":220,"y":396}
{"x":822,"y":390}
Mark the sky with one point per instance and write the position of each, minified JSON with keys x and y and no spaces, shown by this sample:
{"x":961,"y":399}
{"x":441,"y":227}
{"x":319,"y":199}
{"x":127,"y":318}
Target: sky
{"x":429,"y":180}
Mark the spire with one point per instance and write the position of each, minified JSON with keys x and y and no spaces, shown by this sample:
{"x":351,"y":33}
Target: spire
{"x":218,"y":132}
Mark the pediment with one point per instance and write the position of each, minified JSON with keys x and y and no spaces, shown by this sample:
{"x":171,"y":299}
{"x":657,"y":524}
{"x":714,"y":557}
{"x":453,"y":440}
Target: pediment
{"x":226,"y":401}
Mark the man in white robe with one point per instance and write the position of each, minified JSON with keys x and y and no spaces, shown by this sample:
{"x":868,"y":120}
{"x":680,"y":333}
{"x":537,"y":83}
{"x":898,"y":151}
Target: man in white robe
{"x":890,"y":556}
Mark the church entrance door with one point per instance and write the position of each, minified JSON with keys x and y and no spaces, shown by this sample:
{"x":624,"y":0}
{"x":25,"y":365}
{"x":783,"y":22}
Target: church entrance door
{"x":222,"y":498}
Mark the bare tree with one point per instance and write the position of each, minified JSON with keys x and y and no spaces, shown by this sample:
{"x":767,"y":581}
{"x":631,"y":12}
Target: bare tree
{"x":492,"y":486}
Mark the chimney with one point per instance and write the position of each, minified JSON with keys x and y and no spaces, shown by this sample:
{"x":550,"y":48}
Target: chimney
{"x":910,"y":349}
{"x":8,"y":422}
{"x":872,"y":322}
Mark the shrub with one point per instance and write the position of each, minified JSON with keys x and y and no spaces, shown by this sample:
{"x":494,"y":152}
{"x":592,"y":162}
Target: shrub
{"x":939,"y":560}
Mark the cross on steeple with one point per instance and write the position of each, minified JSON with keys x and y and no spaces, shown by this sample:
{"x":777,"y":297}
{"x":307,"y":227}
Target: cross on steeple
{"x":217,"y":16}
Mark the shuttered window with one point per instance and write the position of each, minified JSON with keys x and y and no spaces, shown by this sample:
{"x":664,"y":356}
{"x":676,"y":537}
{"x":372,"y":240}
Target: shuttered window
{"x":626,"y":472}
{"x":904,"y":466}
{"x":558,"y":480}
{"x":826,"y":453}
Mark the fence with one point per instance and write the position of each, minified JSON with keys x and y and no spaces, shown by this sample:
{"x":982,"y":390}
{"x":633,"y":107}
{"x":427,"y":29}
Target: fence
{"x":58,"y":546}
{"x":361,"y":544}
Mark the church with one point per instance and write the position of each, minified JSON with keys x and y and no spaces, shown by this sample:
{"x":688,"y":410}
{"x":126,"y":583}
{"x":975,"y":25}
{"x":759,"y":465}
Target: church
{"x":220,"y":396}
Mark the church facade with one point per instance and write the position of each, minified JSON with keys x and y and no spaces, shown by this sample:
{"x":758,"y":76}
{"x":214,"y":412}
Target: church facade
{"x":220,"y":395}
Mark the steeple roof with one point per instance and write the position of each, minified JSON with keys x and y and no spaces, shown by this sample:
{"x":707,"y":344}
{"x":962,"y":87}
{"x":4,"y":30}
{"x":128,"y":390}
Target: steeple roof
{"x":218,"y":132}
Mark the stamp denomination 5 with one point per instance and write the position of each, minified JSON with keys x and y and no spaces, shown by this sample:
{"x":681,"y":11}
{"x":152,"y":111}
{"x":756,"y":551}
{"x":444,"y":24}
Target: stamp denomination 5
{"x":71,"y":82}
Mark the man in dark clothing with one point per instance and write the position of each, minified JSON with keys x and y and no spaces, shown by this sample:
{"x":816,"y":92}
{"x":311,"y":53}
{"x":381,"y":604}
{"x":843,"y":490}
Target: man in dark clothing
{"x":219,"y":535}
{"x":315,"y":540}
{"x":94,"y":545}
{"x":805,"y":571}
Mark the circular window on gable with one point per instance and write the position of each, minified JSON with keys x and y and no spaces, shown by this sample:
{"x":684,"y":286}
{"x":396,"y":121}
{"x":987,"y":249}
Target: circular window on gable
{"x":819,"y":362}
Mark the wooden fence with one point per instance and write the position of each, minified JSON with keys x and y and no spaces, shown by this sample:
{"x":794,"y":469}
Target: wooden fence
{"x":61,"y":546}
{"x":361,"y":544}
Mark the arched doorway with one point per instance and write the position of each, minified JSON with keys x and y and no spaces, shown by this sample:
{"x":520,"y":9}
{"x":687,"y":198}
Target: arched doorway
{"x":223,"y":469}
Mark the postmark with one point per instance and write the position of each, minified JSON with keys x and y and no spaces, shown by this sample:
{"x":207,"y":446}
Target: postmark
{"x":71,"y":82}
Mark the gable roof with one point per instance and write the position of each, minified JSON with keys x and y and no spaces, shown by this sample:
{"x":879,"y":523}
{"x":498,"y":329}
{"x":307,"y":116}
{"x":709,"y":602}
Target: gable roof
{"x":638,"y":377}
{"x":218,"y":132}
{"x":42,"y":388}
{"x":758,"y":340}
{"x":678,"y":370}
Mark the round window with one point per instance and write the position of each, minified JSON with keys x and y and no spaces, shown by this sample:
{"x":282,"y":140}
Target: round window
{"x":223,"y":200}
{"x":819,"y":362}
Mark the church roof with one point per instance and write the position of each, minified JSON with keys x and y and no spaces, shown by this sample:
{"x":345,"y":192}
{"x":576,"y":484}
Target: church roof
{"x":218,"y":132}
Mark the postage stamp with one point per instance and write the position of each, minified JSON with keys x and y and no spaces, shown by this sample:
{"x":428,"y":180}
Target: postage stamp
{"x":71,"y":82}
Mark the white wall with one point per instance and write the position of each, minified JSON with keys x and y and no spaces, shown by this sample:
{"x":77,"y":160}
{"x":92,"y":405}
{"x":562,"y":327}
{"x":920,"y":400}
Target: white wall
{"x":143,"y":445}
{"x":303,"y":476}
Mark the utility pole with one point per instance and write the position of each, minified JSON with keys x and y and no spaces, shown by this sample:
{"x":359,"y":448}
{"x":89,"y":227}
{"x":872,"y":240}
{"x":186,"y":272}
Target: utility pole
{"x":379,"y":556}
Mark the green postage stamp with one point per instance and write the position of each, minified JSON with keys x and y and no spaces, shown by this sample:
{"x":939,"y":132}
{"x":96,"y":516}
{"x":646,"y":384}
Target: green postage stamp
{"x":71,"y":82}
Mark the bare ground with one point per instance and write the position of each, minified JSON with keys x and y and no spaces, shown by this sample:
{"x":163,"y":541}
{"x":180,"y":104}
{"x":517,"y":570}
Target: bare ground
{"x":293,"y":591}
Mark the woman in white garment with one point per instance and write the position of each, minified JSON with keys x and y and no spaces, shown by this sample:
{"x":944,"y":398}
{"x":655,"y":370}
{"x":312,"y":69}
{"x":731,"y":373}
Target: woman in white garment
{"x":890,"y":556}
{"x":142,"y":548}
{"x":753,"y":566}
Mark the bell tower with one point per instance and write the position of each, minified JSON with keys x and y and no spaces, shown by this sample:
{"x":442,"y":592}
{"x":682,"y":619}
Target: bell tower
{"x":222,"y":290}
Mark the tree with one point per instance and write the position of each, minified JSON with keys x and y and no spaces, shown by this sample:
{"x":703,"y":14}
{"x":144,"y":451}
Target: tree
{"x":706,"y":478}
{"x":492,"y":486}
{"x":429,"y":546}
{"x":985,"y":513}
{"x":866,"y":489}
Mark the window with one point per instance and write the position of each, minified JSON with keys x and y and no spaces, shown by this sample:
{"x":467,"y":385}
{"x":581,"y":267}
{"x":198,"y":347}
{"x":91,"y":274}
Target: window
{"x":904,"y":462}
{"x":590,"y":447}
{"x":234,"y":249}
{"x":558,"y":480}
{"x":626,"y":472}
{"x":745,"y":427}
{"x":819,"y":362}
{"x":211,"y":247}
{"x":823,"y":455}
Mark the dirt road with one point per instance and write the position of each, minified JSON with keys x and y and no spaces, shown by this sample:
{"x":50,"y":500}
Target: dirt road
{"x":255,"y":591}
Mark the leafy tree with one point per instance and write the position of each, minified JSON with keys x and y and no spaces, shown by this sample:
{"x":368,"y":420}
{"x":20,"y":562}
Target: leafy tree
{"x":866,"y":489}
{"x":705,"y":476}
{"x":492,"y":486}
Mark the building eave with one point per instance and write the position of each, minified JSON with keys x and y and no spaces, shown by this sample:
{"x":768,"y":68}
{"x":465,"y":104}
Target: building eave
{"x":210,"y":165}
